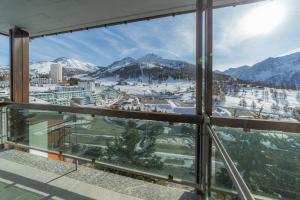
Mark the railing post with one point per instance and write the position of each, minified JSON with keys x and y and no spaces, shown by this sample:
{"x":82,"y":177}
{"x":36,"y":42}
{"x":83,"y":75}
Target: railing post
{"x":209,"y":59}
{"x":19,"y":65}
{"x":206,"y":141}
{"x":3,"y":134}
{"x":199,"y":87}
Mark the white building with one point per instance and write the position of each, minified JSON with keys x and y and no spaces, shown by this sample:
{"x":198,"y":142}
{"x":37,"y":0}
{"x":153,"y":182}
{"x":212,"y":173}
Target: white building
{"x":39,"y":81}
{"x":87,"y":85}
{"x":56,"y":72}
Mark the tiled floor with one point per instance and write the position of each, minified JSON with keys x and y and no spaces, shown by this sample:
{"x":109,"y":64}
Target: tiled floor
{"x":44,"y":175}
{"x":11,"y":192}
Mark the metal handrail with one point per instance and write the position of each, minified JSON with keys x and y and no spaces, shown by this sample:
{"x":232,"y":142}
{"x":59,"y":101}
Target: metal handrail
{"x":237,"y":179}
{"x":156,"y":116}
{"x":258,"y":124}
{"x":235,"y":193}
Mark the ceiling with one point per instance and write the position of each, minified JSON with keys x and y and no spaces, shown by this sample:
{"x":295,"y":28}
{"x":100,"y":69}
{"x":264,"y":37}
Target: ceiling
{"x":44,"y":17}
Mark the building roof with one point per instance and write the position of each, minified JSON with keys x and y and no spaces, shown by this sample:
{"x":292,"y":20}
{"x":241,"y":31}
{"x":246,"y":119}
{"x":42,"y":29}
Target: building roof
{"x":44,"y":17}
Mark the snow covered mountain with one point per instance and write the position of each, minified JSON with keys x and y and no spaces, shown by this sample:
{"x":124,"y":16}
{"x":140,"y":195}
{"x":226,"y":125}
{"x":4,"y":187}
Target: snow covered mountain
{"x":70,"y":66}
{"x":283,"y":70}
{"x":155,"y":59}
{"x":74,"y":63}
{"x":120,"y":64}
{"x":150,"y":66}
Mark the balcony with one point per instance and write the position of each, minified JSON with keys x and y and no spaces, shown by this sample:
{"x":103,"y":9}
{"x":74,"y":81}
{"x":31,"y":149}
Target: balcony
{"x":82,"y":152}
{"x":40,"y":177}
{"x":78,"y":151}
{"x":66,"y":148}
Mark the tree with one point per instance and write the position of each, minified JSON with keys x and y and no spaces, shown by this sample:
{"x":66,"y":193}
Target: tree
{"x":134,"y":148}
{"x":296,"y":113}
{"x":265,"y":95}
{"x":243,"y":103}
{"x":275,"y":107}
{"x":223,"y":179}
{"x":73,"y":81}
{"x":19,"y":127}
{"x":253,"y":105}
{"x":258,"y":114}
{"x":286,"y":107}
{"x":298,"y":96}
{"x":266,"y":160}
{"x":44,"y":76}
{"x":275,"y":95}
{"x":235,"y":113}
{"x":284,"y":95}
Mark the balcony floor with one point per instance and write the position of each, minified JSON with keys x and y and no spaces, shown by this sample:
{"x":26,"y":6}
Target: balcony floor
{"x":35,"y":177}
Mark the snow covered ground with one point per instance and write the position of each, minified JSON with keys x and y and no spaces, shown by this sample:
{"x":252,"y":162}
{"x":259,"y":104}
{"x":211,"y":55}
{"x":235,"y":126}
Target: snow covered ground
{"x":270,"y":102}
{"x":145,"y":88}
{"x":276,"y":103}
{"x":178,"y":96}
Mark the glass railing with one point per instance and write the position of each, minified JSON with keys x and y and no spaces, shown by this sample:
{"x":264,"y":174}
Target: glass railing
{"x":269,"y":161}
{"x":160,"y":148}
{"x":263,"y":162}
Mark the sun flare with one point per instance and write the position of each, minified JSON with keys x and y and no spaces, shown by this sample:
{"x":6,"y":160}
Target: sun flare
{"x":263,"y":19}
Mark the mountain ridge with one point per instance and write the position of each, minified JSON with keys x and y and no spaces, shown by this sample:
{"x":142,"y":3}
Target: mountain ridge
{"x":71,"y":66}
{"x":279,"y":71}
{"x":149,"y":66}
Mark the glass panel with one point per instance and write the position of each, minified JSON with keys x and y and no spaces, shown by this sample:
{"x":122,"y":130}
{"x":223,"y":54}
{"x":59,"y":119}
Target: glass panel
{"x":222,"y":187}
{"x":4,"y":68}
{"x":269,"y":161}
{"x":162,"y":148}
{"x":256,"y":60}
{"x":147,"y":65}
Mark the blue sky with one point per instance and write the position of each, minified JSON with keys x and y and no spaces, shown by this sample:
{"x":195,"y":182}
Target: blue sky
{"x":251,"y":33}
{"x":170,"y":37}
{"x":240,"y":37}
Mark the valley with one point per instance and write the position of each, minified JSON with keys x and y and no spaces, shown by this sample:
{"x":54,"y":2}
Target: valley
{"x":152,"y":83}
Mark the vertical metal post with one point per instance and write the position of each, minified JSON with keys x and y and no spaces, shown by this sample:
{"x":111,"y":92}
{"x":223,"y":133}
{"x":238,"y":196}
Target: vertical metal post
{"x":76,"y":165}
{"x":2,"y":128}
{"x":209,"y":60}
{"x":208,"y":80}
{"x":3,"y":125}
{"x":7,"y":123}
{"x":199,"y":75}
{"x":19,"y":65}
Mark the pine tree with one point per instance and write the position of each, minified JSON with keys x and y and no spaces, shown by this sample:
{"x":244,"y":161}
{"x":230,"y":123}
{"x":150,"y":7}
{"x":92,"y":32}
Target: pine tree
{"x":253,"y":105}
{"x":134,"y":148}
{"x":243,"y":103}
{"x":19,"y":127}
{"x":298,"y":96}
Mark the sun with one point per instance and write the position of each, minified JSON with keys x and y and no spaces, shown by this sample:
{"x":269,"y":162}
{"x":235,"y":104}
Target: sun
{"x":263,"y":19}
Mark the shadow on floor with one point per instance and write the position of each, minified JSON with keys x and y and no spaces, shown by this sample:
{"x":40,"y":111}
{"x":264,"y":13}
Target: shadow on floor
{"x":42,"y":187}
{"x":189,"y":196}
